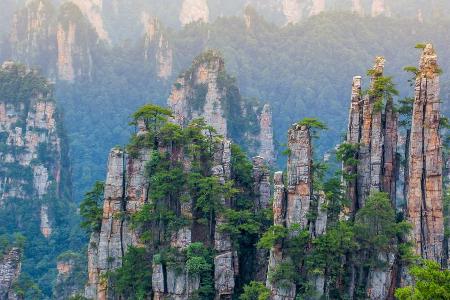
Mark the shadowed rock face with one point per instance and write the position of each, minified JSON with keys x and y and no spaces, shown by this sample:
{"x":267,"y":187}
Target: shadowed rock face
{"x":61,"y":40}
{"x":424,"y":202}
{"x":10,"y":267}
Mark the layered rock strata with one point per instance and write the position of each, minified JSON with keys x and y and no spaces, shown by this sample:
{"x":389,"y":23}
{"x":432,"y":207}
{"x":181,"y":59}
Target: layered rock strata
{"x":125,"y":193}
{"x":425,"y":195}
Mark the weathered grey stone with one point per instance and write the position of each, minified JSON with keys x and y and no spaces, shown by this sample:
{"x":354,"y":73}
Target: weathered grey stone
{"x":261,"y":187}
{"x":10,"y":268}
{"x":381,"y":282}
{"x":125,"y":193}
{"x":267,"y":147}
{"x":299,"y":176}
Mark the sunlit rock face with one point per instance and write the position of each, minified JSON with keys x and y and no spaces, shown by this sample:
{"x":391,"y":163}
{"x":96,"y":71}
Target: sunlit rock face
{"x":424,"y":193}
{"x":193,"y":11}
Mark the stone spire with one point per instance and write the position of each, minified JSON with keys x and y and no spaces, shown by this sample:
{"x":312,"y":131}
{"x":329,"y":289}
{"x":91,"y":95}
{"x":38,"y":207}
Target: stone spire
{"x":261,"y":190}
{"x":424,"y":202}
{"x":372,"y":130}
{"x":267,"y":148}
{"x":353,"y":136}
{"x":125,"y":192}
{"x":299,"y":172}
{"x":225,"y":262}
{"x":291,"y":205}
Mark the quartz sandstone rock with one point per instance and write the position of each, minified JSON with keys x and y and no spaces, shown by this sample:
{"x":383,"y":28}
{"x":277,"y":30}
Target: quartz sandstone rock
{"x":60,"y":40}
{"x":261,"y":187}
{"x":197,"y":94}
{"x":193,"y":11}
{"x":92,"y":9}
{"x":38,"y":115}
{"x":157,"y":47}
{"x":267,"y":148}
{"x":299,"y":172}
{"x":276,"y":253}
{"x":225,"y":267}
{"x":425,"y":198}
{"x":10,"y":268}
{"x":206,"y":91}
{"x":125,"y":193}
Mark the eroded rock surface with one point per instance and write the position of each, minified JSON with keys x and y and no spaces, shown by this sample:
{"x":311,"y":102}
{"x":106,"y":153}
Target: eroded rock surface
{"x":10,"y":268}
{"x":425,"y":198}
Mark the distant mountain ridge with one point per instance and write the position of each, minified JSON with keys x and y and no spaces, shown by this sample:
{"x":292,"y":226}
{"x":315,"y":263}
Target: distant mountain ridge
{"x":119,"y":20}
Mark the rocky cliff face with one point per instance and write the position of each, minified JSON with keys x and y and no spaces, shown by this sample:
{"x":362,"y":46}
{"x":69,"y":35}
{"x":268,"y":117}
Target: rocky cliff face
{"x":31,"y":30}
{"x":28,"y":128}
{"x":125,"y":192}
{"x":206,"y":91}
{"x":92,"y":9}
{"x":157,"y":48}
{"x":10,"y":267}
{"x":35,"y":183}
{"x":424,"y":202}
{"x":60,"y":39}
{"x":372,"y":132}
{"x":292,"y":206}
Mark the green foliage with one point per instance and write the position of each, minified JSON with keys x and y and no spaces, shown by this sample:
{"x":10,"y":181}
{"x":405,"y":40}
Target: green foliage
{"x":255,"y":291}
{"x":405,"y":111}
{"x":383,"y":89}
{"x":199,"y":259}
{"x":430,"y":283}
{"x":91,"y":208}
{"x":312,"y":123}
{"x":274,"y":235}
{"x":376,"y":227}
{"x":420,"y":46}
{"x":347,"y":153}
{"x":284,"y":274}
{"x":133,"y":279}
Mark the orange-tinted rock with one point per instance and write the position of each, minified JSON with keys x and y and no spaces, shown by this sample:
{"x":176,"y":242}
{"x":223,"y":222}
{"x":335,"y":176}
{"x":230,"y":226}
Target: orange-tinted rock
{"x":425,"y":195}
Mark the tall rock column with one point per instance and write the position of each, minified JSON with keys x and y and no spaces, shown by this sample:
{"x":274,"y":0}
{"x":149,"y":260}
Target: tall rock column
{"x":261,"y":187}
{"x":286,"y":292}
{"x":291,"y":205}
{"x":353,"y":137}
{"x":225,"y":262}
{"x":424,"y":202}
{"x":267,"y":148}
{"x":299,"y":172}
{"x":372,"y":131}
{"x":125,"y":193}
